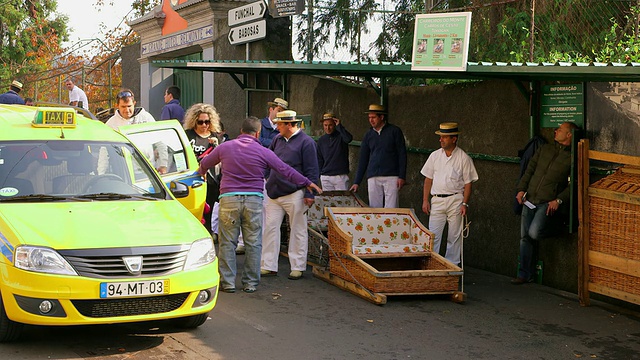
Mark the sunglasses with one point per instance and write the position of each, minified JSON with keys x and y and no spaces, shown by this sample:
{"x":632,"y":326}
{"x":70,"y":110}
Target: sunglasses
{"x":124,"y":94}
{"x":200,"y":122}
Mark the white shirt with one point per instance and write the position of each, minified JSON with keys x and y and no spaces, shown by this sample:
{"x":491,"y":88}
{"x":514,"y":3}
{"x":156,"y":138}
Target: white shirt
{"x":139,"y":116}
{"x":77,"y":94}
{"x":449,"y":174}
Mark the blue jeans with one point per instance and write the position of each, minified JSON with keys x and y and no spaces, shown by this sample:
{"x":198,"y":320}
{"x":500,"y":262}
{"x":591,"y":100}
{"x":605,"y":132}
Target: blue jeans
{"x":240,"y":213}
{"x":534,"y":225}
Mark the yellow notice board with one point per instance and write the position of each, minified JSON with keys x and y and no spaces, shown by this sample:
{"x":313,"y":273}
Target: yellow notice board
{"x":441,"y":41}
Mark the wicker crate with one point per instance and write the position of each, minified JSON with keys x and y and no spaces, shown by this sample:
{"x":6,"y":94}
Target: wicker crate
{"x":422,"y":272}
{"x":614,"y":227}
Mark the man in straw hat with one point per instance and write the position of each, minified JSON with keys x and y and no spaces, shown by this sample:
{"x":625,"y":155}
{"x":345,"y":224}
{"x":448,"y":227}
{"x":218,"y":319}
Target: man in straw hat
{"x":11,"y":97}
{"x":543,"y":188}
{"x":383,"y":156}
{"x":298,"y":150}
{"x":448,"y":173}
{"x":333,"y":154}
{"x":269,"y":129}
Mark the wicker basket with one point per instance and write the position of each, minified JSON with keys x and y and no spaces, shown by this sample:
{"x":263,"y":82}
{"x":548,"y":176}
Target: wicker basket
{"x":396,"y":274}
{"x":614,"y":227}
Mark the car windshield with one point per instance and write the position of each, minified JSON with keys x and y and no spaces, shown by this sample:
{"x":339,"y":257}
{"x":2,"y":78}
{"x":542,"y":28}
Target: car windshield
{"x":75,"y":170}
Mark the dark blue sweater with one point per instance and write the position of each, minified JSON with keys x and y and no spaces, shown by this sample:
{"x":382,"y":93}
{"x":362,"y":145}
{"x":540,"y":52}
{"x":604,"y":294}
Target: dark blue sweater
{"x":383,"y":154}
{"x":333,"y":152}
{"x":172,"y":110}
{"x":299,"y":153}
{"x":267,"y":133}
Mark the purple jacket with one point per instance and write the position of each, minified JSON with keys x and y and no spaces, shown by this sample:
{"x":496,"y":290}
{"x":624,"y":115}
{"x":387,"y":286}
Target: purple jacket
{"x":244,"y":162}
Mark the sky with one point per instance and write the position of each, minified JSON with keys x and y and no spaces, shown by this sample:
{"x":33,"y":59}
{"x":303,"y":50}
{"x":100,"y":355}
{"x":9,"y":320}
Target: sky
{"x":85,"y":19}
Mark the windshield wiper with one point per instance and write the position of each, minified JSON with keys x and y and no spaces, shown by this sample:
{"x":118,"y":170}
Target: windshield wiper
{"x":36,"y":197}
{"x":113,"y":196}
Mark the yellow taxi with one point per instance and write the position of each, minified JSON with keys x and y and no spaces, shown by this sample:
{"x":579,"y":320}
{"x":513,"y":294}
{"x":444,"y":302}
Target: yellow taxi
{"x":89,"y":233}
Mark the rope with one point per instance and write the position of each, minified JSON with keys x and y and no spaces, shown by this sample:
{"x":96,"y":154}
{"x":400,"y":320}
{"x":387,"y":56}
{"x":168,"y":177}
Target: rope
{"x":465,"y":234}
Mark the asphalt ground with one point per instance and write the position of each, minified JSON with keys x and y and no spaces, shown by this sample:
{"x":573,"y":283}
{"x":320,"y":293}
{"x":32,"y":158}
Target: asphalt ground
{"x":311,"y":319}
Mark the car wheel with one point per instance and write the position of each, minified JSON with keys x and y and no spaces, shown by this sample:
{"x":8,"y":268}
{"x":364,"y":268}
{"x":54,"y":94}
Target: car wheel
{"x":191,"y":322}
{"x":9,"y":330}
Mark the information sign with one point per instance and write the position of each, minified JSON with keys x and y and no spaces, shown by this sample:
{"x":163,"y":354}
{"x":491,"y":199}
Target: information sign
{"x":281,"y":8}
{"x":441,"y":41}
{"x":562,"y":103}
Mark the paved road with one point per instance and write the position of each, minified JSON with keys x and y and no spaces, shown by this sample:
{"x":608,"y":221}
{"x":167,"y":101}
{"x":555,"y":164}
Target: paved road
{"x":310,"y":319}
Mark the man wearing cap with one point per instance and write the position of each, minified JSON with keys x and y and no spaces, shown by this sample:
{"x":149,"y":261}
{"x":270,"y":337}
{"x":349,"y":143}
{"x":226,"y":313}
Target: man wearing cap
{"x":241,"y":200}
{"x":77,"y":96}
{"x":333,"y":154}
{"x":298,"y":150}
{"x":269,"y":129}
{"x":448,"y":173}
{"x":11,"y":97}
{"x":383,"y":156}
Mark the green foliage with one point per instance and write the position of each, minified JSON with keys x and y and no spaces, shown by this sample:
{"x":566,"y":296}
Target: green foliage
{"x":29,"y":32}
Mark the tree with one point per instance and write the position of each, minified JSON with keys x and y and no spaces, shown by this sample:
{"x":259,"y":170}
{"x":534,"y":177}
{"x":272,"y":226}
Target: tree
{"x":30,"y":36}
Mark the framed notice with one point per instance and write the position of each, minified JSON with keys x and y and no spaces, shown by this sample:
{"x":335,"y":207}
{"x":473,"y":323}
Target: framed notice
{"x":562,"y":103}
{"x":441,"y":41}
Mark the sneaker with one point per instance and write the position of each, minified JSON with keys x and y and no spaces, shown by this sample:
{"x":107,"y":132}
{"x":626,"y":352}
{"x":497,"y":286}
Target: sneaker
{"x":520,"y":281}
{"x":240,"y":250}
{"x":249,"y":289}
{"x":264,"y":272}
{"x":228,"y":290}
{"x":295,"y":275}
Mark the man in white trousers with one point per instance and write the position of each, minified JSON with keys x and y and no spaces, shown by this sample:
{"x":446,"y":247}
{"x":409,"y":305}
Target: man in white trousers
{"x":448,"y":173}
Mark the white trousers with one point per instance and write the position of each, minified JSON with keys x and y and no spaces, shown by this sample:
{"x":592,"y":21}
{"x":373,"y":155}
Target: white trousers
{"x":443,"y":211}
{"x":383,"y":191}
{"x":294,"y":206}
{"x":334,"y":182}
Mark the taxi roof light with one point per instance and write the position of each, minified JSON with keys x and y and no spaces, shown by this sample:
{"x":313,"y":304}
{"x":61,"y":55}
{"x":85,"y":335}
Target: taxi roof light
{"x":54,"y":117}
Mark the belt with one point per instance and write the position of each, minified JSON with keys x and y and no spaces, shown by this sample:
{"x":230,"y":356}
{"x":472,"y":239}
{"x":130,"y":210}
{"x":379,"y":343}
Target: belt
{"x":442,"y":195}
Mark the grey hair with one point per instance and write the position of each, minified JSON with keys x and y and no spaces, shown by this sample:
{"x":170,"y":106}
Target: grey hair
{"x":251,"y":125}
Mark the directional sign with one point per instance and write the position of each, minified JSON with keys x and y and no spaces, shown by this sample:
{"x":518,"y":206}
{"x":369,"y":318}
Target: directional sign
{"x":243,"y":14}
{"x":248,"y":32}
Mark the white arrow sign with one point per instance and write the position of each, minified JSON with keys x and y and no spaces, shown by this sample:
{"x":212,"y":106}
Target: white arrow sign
{"x":248,"y":32}
{"x":243,"y":14}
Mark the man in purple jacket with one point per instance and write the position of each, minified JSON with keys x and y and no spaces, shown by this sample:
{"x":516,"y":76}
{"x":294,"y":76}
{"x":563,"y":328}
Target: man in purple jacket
{"x":244,"y":162}
{"x":298,"y":150}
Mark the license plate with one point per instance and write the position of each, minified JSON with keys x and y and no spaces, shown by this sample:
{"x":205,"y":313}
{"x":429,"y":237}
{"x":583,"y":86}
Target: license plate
{"x":134,"y":288}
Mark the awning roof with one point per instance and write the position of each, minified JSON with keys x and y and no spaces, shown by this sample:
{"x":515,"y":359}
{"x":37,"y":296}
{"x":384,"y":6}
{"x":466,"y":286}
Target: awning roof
{"x":596,"y":72}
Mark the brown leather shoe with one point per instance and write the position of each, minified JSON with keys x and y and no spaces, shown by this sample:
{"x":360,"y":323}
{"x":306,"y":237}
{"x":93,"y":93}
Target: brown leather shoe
{"x":520,"y":281}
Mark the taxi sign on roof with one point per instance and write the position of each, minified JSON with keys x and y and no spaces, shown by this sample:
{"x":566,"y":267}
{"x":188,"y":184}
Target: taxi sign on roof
{"x":54,"y":117}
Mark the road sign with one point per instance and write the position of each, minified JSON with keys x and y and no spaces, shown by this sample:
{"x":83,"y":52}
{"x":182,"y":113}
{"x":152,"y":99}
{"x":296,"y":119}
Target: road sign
{"x":248,"y":32}
{"x":243,"y":14}
{"x":281,"y":8}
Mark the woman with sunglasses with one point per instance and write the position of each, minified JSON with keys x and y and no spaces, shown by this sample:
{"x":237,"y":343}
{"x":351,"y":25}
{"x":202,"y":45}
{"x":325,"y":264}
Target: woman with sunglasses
{"x":202,"y":126}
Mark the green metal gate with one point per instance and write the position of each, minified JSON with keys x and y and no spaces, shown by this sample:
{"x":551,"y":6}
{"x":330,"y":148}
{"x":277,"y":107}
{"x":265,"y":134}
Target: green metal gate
{"x":189,"y":82}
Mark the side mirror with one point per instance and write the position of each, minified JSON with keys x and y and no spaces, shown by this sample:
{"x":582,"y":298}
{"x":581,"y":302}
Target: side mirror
{"x":178,"y":189}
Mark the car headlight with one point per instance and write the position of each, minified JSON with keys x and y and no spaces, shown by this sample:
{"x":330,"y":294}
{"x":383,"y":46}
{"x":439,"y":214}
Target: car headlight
{"x":40,"y":259}
{"x":201,"y":253}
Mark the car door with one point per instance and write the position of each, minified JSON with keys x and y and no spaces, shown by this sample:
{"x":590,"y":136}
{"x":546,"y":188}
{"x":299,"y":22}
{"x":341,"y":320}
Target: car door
{"x":167,"y":147}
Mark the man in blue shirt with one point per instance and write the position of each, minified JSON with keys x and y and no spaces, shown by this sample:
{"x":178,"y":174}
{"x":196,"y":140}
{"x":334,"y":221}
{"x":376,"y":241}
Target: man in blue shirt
{"x":172,"y":110}
{"x":269,"y":129}
{"x":11,"y":96}
{"x":383,"y":156}
{"x":333,"y":154}
{"x":298,"y":150}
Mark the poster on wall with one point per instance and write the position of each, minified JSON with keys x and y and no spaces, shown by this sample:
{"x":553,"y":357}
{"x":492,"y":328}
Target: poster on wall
{"x":562,"y":103}
{"x":441,"y":41}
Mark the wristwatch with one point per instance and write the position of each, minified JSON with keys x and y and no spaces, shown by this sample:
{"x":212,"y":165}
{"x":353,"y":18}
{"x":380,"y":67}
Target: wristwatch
{"x":559,"y":201}
{"x":465,"y":204}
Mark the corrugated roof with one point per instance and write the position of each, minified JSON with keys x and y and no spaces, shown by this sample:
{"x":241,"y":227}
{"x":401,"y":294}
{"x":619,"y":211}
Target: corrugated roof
{"x":560,"y":71}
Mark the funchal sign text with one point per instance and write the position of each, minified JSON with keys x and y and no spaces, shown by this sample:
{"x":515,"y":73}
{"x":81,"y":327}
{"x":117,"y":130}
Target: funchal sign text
{"x":247,"y":23}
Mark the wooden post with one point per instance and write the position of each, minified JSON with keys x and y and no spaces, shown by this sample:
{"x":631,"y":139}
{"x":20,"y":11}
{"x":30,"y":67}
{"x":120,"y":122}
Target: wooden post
{"x":583,"y":220}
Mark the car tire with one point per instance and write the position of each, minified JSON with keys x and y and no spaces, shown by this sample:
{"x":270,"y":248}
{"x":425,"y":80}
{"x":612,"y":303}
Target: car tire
{"x":191,"y":322}
{"x":9,"y":330}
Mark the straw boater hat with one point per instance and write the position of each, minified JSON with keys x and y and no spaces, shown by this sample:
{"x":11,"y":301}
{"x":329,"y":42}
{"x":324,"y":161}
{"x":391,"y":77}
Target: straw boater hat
{"x":448,"y":128}
{"x":279,"y":102}
{"x":286,"y":116}
{"x":375,"y":108}
{"x":328,"y":116}
{"x":17,"y":84}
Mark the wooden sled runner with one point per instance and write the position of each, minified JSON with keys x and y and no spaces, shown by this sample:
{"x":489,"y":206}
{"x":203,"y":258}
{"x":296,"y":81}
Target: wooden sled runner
{"x":377,"y":252}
